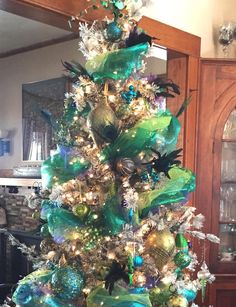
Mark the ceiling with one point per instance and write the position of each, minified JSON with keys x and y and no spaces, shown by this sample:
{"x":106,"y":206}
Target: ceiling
{"x":19,"y":32}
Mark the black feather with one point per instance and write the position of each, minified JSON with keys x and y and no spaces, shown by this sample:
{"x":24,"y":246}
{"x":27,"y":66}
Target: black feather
{"x":183,"y":106}
{"x":137,"y":37}
{"x":115,"y":273}
{"x":163,"y":163}
{"x":165,"y":88}
{"x":75,"y":69}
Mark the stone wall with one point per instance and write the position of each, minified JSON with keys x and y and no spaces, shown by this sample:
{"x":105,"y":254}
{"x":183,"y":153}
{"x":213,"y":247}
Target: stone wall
{"x":19,"y":215}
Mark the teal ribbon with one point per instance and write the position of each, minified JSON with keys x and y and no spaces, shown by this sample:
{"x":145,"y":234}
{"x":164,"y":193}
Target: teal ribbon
{"x":159,"y":132}
{"x":118,"y":64}
{"x":176,"y":189}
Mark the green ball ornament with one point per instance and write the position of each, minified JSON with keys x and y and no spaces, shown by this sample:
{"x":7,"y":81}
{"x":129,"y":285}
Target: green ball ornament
{"x":177,"y":301}
{"x":67,"y":283}
{"x":81,"y":210}
{"x":182,"y":259}
{"x":114,"y":32}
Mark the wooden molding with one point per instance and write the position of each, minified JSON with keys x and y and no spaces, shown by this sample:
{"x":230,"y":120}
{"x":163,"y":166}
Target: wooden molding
{"x":39,"y":45}
{"x":171,"y":37}
{"x":37,"y":13}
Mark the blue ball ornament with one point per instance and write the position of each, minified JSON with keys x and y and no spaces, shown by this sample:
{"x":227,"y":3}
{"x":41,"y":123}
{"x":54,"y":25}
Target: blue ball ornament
{"x":189,"y":294}
{"x":155,"y":177}
{"x":144,"y":177}
{"x":67,"y":283}
{"x":129,"y":95}
{"x":114,"y":32}
{"x":137,"y":261}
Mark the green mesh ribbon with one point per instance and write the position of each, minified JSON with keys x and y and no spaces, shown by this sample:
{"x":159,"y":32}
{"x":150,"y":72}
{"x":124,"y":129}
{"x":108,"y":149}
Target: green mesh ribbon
{"x":120,"y":297}
{"x":176,"y":189}
{"x":53,"y":170}
{"x":113,"y":218}
{"x":27,"y":291}
{"x":159,"y":132}
{"x":114,"y":215}
{"x":63,"y":224}
{"x":32,"y":291}
{"x":118,"y":64}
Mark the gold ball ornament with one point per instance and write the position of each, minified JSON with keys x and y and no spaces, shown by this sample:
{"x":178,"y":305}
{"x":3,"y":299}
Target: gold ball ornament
{"x":177,"y":301}
{"x":161,"y":246}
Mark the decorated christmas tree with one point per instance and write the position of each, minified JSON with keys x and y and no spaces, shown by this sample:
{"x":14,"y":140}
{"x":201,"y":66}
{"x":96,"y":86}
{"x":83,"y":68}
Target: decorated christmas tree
{"x":116,"y":224}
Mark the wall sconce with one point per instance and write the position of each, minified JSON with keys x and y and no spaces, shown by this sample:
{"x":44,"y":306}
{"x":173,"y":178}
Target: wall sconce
{"x":4,"y":143}
{"x":227,"y":33}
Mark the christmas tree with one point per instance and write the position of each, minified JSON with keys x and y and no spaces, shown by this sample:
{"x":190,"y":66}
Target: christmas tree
{"x":114,"y":212}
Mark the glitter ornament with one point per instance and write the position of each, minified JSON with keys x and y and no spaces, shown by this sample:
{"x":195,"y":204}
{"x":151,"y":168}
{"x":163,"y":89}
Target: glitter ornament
{"x":182,"y":259}
{"x":114,"y":32}
{"x":160,"y":245}
{"x":137,"y":261}
{"x":181,"y":242}
{"x":125,"y":166}
{"x":160,"y":294}
{"x":177,"y":301}
{"x":67,"y":283}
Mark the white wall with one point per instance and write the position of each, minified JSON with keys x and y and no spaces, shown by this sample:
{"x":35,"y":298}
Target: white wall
{"x":201,"y":18}
{"x":40,"y":64}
